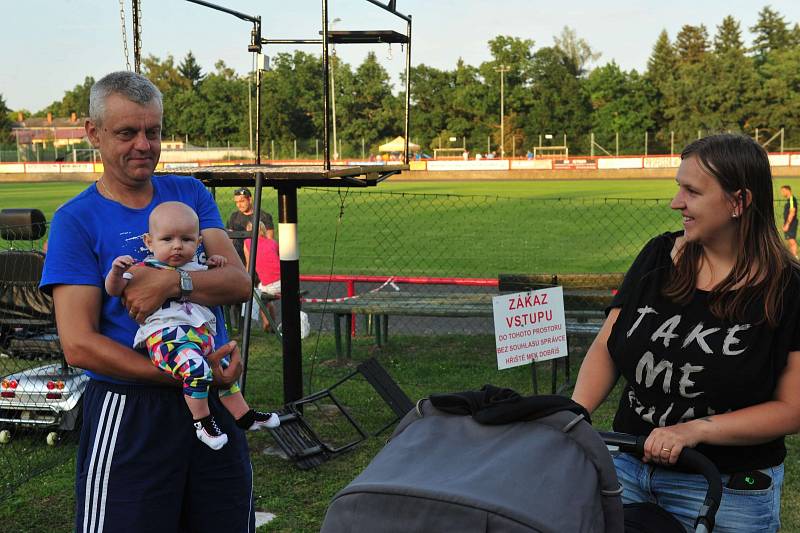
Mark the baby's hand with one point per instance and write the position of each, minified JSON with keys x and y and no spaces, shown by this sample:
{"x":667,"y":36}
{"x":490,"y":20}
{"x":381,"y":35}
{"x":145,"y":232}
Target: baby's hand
{"x":216,"y":261}
{"x":122,"y":263}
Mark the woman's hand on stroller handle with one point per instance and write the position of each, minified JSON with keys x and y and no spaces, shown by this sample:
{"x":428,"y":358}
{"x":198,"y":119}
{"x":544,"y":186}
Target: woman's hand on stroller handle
{"x":688,"y":459}
{"x":665,"y":444}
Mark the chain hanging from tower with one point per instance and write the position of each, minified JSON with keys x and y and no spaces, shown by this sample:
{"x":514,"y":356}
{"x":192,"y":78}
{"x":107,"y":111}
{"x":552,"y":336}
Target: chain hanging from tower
{"x":136,"y":10}
{"x":124,"y":34}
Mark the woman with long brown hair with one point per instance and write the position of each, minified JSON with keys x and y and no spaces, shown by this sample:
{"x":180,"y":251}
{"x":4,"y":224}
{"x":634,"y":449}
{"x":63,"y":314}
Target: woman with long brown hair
{"x":705,"y":331}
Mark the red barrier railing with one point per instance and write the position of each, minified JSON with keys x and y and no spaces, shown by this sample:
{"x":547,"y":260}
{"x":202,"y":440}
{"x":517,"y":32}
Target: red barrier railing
{"x":351,"y":280}
{"x":415,"y":280}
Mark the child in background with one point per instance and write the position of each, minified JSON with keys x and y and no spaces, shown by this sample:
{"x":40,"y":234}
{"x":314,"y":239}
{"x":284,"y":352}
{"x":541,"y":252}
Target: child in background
{"x":268,"y":268}
{"x":180,"y":335}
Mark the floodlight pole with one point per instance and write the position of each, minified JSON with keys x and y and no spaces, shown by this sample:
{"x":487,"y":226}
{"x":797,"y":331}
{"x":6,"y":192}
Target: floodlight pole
{"x":137,"y":36}
{"x":333,"y":96}
{"x":408,"y":88}
{"x":502,"y":69}
{"x":326,"y":92}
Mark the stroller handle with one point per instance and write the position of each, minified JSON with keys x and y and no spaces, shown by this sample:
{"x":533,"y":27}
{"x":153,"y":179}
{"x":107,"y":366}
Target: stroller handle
{"x":689,"y":459}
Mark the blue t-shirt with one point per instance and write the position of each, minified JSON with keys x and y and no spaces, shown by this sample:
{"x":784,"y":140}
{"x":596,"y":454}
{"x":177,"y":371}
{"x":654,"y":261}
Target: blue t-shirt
{"x":89,"y":231}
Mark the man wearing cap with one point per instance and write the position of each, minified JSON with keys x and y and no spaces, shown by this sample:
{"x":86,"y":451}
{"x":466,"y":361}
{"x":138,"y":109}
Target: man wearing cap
{"x":244,"y":214}
{"x":238,"y":222}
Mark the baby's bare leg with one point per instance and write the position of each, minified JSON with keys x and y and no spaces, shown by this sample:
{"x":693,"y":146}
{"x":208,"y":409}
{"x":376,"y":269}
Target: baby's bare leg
{"x":235,"y":404}
{"x":198,"y":407}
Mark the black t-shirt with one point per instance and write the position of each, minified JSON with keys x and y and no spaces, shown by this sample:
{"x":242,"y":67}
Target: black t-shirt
{"x":681,"y":362}
{"x":238,"y":222}
{"x":791,"y":203}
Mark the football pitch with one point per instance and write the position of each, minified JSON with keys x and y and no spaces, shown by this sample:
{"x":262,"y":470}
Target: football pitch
{"x":472,"y":229}
{"x":47,"y":196}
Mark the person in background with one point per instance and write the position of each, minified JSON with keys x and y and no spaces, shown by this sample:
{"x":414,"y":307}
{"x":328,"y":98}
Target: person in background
{"x":790,"y":219}
{"x":705,"y":329}
{"x":268,"y":267}
{"x":244,"y":215}
{"x":140,"y":466}
{"x":238,"y":222}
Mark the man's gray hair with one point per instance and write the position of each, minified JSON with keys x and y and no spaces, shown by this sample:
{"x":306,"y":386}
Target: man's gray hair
{"x":131,"y":85}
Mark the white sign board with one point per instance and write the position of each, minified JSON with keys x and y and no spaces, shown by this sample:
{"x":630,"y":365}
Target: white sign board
{"x":529,"y":326}
{"x":484,"y":164}
{"x":168,"y":166}
{"x":619,"y":162}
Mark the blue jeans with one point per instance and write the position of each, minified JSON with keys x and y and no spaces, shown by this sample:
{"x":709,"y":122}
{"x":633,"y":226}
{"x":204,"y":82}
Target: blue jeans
{"x":681,"y":494}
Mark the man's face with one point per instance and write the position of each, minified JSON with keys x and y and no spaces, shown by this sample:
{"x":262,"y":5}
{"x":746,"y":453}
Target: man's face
{"x":243,"y":203}
{"x":129,"y":139}
{"x":785,"y":192}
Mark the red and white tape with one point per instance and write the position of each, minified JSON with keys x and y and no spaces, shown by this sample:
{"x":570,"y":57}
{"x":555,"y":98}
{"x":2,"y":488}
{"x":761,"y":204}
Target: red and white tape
{"x":346,"y":298}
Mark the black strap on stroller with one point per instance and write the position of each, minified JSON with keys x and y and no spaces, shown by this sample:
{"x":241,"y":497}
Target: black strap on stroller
{"x":690,"y":460}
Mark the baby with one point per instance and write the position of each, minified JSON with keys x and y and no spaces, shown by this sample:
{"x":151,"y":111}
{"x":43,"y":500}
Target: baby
{"x":180,"y":335}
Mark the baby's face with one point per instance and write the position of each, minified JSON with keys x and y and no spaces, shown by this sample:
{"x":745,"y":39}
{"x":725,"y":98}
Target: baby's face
{"x":174,"y":241}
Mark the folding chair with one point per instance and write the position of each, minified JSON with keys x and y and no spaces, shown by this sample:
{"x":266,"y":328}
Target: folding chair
{"x":303,"y":445}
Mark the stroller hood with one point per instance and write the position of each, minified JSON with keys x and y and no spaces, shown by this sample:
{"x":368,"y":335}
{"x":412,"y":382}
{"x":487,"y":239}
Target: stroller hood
{"x":444,"y":472}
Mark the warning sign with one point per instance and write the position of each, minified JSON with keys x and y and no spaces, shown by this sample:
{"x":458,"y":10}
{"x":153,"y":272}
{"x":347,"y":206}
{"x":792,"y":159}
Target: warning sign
{"x":529,"y":326}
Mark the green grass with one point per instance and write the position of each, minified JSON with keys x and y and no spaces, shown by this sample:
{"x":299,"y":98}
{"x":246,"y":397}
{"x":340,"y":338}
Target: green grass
{"x":299,"y":498}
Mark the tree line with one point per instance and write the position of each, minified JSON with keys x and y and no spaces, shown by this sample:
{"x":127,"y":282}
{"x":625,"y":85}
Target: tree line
{"x":694,"y":84}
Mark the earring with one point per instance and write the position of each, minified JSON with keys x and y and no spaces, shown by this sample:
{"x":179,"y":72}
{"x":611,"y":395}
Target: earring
{"x":734,"y":215}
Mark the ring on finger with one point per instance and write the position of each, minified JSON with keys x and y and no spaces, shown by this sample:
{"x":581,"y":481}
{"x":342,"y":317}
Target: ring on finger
{"x":668,"y":450}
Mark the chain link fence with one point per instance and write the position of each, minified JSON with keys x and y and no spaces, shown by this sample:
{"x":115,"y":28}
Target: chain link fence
{"x":592,"y":143}
{"x":364,"y":238}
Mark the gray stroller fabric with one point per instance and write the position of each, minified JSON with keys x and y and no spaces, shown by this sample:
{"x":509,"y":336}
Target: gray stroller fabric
{"x":443,"y":472}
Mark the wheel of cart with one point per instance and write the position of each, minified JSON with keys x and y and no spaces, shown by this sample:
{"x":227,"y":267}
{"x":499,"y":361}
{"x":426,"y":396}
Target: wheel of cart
{"x":33,"y":396}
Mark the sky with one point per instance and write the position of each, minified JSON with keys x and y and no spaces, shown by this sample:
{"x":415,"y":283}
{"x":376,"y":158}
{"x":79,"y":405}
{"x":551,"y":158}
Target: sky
{"x":49,"y":46}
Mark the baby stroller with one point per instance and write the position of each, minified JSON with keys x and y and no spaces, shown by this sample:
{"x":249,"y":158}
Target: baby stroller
{"x":518,"y":464}
{"x":32,"y":395}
